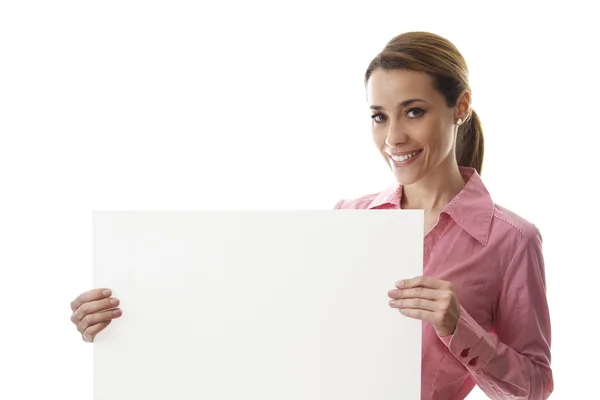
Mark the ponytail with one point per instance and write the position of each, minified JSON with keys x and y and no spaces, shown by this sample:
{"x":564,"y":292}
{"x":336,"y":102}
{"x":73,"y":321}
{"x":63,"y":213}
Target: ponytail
{"x":469,"y":146}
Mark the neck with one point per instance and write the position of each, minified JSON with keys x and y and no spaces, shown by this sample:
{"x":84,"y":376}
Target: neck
{"x":435,"y":191}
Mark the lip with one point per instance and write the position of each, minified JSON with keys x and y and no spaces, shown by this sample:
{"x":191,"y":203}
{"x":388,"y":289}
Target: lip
{"x":399,"y":164}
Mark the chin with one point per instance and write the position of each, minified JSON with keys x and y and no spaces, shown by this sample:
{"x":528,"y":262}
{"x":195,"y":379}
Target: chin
{"x":406,"y":178}
{"x":408,"y":170}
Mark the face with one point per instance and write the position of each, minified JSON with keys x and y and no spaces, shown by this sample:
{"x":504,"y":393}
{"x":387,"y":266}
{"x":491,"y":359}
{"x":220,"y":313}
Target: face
{"x":412,"y":126}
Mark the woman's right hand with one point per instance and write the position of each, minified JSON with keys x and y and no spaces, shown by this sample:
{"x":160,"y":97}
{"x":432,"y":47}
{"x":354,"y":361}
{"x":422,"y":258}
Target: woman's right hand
{"x":93,"y":311}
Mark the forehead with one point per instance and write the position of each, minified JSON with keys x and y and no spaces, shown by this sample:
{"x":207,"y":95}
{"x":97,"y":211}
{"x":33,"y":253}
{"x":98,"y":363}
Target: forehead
{"x":398,"y":85}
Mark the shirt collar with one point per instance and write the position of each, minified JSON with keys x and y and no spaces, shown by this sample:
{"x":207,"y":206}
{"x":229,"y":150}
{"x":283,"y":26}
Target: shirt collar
{"x":472,"y":208}
{"x":389,"y":197}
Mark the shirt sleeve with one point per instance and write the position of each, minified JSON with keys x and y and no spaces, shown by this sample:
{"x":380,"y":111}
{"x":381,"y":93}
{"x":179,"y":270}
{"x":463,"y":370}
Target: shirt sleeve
{"x":339,"y":205}
{"x":513,"y":361}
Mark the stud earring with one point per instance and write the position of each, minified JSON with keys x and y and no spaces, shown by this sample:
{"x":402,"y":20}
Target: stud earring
{"x":459,"y":122}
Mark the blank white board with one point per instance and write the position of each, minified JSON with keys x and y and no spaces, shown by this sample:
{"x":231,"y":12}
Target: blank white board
{"x":270,"y":305}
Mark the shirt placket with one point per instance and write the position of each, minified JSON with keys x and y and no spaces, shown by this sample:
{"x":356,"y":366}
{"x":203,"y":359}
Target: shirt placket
{"x":433,"y":236}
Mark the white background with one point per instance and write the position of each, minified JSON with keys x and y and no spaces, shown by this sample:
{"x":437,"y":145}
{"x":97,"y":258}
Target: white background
{"x":255,"y":105}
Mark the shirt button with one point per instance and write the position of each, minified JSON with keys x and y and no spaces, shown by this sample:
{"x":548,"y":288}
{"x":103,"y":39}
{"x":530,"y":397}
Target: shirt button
{"x":473,"y":361}
{"x":465,"y":353}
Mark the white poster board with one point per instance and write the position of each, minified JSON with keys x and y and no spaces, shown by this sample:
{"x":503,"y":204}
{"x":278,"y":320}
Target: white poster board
{"x":269,"y":305}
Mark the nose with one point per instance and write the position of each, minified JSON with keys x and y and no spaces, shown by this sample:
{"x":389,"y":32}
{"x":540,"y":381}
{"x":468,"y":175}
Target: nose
{"x":395,"y":135}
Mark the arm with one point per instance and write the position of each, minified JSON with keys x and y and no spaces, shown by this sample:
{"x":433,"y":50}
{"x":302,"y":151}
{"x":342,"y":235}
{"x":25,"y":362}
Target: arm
{"x":514,"y":361}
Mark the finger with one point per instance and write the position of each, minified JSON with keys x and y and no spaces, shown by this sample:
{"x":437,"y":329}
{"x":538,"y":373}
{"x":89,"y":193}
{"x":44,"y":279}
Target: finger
{"x":418,"y":292}
{"x":415,"y":304}
{"x":423,"y":315}
{"x":424,"y":281}
{"x":93,"y":307}
{"x":90,"y":295}
{"x":93,"y":319}
{"x":90,"y":333}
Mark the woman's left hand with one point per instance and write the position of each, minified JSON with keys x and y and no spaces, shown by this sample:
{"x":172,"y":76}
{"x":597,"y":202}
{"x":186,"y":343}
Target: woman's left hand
{"x":428,"y":299}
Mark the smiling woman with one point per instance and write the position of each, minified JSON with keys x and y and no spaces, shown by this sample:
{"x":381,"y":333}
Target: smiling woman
{"x":482,"y":295}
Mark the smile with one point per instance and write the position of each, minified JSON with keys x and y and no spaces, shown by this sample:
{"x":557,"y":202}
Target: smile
{"x":405,"y":157}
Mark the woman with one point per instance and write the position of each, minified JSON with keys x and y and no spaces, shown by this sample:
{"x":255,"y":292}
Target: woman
{"x":482,"y":295}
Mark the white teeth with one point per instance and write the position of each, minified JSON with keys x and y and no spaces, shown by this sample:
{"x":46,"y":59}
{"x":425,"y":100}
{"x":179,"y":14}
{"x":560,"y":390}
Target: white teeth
{"x":405,"y":157}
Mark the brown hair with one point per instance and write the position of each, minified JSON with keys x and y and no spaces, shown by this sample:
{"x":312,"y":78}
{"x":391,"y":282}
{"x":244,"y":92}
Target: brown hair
{"x":439,"y":58}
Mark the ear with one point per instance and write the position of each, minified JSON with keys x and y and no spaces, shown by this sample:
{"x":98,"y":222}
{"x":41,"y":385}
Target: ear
{"x":463,"y":106}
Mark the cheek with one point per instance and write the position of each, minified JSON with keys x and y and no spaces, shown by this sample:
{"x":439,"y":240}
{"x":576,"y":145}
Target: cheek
{"x":445,"y":138}
{"x":434,"y":135}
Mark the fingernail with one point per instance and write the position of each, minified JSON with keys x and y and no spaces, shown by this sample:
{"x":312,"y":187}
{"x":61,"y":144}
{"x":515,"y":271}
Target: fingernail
{"x":106,"y":292}
{"x":400,"y":284}
{"x":114,"y":302}
{"x":116,"y":313}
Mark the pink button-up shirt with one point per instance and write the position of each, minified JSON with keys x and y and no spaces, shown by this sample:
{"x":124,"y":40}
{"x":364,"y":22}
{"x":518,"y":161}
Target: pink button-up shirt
{"x":493,"y":258}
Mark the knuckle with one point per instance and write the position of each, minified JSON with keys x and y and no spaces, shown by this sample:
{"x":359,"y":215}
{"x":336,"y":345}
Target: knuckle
{"x":75,"y":305}
{"x":87,"y":320}
{"x":84,"y":309}
{"x":77,"y":315}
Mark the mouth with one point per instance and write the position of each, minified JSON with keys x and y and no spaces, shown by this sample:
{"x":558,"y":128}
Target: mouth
{"x":403,"y":158}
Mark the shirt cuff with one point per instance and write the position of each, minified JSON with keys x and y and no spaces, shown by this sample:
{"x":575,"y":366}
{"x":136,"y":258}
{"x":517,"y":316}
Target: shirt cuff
{"x":470,"y":343}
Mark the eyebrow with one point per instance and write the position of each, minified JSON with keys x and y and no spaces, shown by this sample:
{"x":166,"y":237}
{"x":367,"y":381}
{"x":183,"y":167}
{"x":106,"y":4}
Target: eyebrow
{"x":402,"y":104}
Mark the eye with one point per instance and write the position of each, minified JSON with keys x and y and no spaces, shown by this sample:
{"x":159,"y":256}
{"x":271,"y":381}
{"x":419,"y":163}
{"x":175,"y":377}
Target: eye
{"x":378,"y":118}
{"x":415,"y":111}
